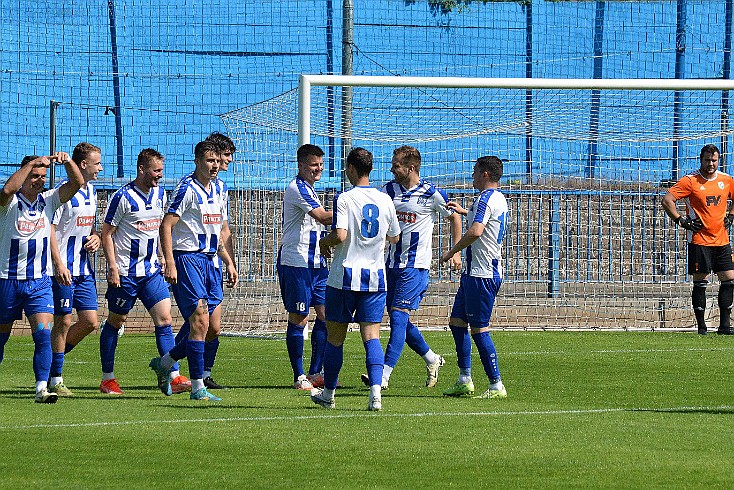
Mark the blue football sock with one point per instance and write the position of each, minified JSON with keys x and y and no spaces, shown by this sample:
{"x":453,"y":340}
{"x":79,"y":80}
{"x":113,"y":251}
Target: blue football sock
{"x":463,"y":346}
{"x":398,"y":324}
{"x":414,"y":339}
{"x":318,"y":344}
{"x":4,"y":336}
{"x":294,"y":344}
{"x":195,"y":356}
{"x":210,"y":353}
{"x":68,"y":347}
{"x":107,"y":346}
{"x":333,"y":360}
{"x":165,"y":341}
{"x":57,"y":364}
{"x":374,"y":360}
{"x":42,"y":352}
{"x":488,"y":355}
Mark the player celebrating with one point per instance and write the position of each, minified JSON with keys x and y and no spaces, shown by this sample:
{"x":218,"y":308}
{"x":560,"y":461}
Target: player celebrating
{"x":408,"y":262}
{"x":211,"y":345}
{"x":355,"y":290}
{"x":130,"y":243}
{"x":72,"y":240}
{"x":302,"y":272}
{"x":706,"y":192}
{"x":26,"y":211}
{"x":481,"y":279}
{"x":190,"y":238}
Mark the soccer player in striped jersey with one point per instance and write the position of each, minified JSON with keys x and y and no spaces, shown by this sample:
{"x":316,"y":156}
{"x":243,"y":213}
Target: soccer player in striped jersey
{"x":73,"y":239}
{"x":190,"y":239}
{"x":302,"y":272}
{"x":363,"y":219}
{"x":481,"y":279}
{"x":417,"y":202}
{"x":130,"y":242}
{"x":26,"y":211}
{"x":211,"y":345}
{"x":706,"y":193}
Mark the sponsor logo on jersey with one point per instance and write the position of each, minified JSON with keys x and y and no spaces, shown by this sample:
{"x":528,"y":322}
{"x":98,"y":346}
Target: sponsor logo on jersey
{"x":28,"y":227}
{"x":211,"y":219}
{"x":148,"y":224}
{"x":84,"y":221}
{"x":721,"y":185}
{"x":423,"y":201}
{"x":406,"y":217}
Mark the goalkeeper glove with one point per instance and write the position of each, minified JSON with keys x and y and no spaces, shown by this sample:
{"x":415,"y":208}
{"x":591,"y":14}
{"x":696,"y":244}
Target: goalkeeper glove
{"x":686,"y":222}
{"x":728,"y":220}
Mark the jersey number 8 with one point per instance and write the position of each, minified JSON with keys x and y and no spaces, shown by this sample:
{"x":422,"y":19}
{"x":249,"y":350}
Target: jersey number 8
{"x":370,"y":226}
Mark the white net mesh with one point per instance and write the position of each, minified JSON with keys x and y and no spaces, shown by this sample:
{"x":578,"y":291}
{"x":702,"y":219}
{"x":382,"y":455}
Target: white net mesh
{"x":588,"y":244}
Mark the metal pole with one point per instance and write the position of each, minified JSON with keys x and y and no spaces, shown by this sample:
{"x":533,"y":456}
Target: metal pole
{"x":330,"y":106}
{"x":116,"y":89}
{"x":528,"y":93}
{"x":347,"y":69}
{"x":593,"y":150}
{"x":52,"y":138}
{"x":729,"y":13}
{"x":680,"y":58}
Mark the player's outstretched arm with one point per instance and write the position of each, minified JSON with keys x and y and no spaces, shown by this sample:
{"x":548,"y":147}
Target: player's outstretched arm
{"x":166,"y":244}
{"x":471,"y":235}
{"x":71,"y":186}
{"x":455,"y":230}
{"x":322,"y":216}
{"x":15,"y":182}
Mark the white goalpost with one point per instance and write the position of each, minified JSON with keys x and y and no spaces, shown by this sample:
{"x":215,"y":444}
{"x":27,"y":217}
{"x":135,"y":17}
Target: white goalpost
{"x":586,"y":164}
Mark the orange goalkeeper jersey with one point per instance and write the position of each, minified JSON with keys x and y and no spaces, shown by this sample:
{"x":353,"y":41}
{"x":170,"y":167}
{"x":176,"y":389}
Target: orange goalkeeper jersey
{"x":706,"y":199}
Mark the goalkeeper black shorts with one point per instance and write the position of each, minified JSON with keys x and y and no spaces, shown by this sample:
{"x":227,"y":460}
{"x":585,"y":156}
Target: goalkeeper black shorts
{"x":703,"y":259}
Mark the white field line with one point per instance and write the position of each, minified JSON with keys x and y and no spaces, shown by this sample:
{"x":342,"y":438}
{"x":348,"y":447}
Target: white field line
{"x":449,"y":355}
{"x":332,"y":415}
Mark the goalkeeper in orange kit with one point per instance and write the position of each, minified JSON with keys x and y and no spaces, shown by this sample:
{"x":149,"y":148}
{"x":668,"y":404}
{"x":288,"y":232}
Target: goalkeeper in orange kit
{"x":707,"y":220}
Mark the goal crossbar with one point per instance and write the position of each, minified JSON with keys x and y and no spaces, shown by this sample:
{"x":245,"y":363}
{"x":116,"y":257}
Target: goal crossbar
{"x":305,"y":83}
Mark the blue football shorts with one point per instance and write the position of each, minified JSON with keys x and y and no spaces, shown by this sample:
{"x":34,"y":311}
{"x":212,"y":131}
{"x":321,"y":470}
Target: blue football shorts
{"x":150,"y":289}
{"x":29,"y":295}
{"x":81,"y":295}
{"x":474,"y":300}
{"x":302,"y":288}
{"x":406,"y":287}
{"x":198,"y":279}
{"x":345,"y":306}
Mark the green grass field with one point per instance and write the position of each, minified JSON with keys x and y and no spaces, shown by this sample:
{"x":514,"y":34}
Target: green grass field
{"x":585,"y":410}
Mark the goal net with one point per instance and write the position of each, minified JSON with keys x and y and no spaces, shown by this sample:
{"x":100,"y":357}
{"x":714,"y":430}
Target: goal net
{"x":588,"y":245}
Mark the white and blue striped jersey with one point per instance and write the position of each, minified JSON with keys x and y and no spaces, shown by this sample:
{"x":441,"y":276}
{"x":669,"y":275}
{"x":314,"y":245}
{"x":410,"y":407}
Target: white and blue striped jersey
{"x":299,"y":246}
{"x":368,"y":215}
{"x":201,"y":211}
{"x":484,"y":256}
{"x":74,"y":222}
{"x":25,"y":228}
{"x":137,"y":217}
{"x":416,"y":208}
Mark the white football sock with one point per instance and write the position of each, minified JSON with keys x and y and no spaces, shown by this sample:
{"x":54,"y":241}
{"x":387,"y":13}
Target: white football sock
{"x":386,"y":372}
{"x":106,"y":376}
{"x":55,"y":380}
{"x":430,"y":357}
{"x":196,"y":385}
{"x":41,"y":385}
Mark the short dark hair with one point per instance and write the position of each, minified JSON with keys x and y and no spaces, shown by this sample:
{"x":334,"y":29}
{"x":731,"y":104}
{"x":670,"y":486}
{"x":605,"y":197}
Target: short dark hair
{"x":408,"y":155}
{"x":83,"y":150}
{"x":147,"y":156}
{"x":308,"y":150}
{"x":27,"y":159}
{"x":206,"y":146}
{"x":361,"y":160}
{"x":492,"y":165}
{"x":711,"y":149}
{"x":222,"y":141}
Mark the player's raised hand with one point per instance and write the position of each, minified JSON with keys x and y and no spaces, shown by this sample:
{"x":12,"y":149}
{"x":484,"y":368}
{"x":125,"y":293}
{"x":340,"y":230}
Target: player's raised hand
{"x":457,"y":208}
{"x":61,"y":157}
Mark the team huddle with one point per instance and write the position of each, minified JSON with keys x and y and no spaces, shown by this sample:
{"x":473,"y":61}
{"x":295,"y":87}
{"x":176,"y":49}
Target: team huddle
{"x":147,"y":242}
{"x":152,"y":246}
{"x":365,"y":277}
